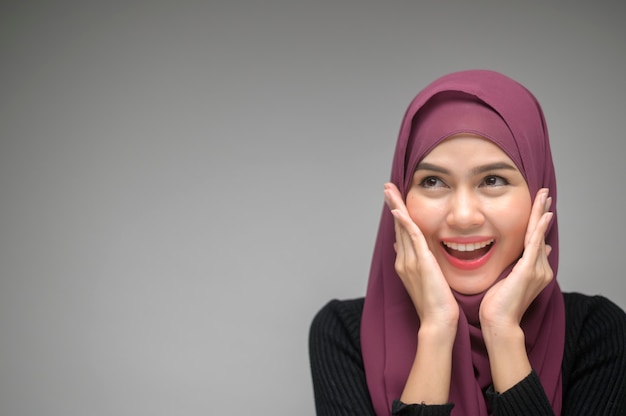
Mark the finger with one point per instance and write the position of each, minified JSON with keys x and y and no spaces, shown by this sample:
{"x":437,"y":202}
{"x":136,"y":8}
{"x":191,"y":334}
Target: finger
{"x":536,"y":252}
{"x":543,"y":270}
{"x":413,"y":235}
{"x":399,"y":244}
{"x":393,"y":198}
{"x":406,"y":257}
{"x":548,"y":250}
{"x":537,"y":210}
{"x":404,"y":239}
{"x":406,"y":229}
{"x":536,"y":244}
{"x":394,"y":201}
{"x":389,"y":201}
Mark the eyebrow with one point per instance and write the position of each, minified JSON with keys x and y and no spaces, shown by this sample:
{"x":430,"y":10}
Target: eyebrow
{"x":475,"y":171}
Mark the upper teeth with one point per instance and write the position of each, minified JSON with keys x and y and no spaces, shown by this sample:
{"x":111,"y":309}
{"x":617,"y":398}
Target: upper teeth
{"x":467,"y":247}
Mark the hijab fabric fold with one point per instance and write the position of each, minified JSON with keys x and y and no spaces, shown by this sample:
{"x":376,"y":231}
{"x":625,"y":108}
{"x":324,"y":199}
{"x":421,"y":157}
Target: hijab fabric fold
{"x":502,"y":110}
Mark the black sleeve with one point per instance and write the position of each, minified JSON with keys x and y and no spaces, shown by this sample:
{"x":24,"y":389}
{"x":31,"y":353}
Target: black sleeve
{"x":525,"y":398}
{"x":339,"y":382}
{"x":594,"y":366}
{"x":401,"y":409}
{"x":336,"y":364}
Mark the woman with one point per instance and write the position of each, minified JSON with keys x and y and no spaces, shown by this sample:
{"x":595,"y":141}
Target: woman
{"x":463,"y":314}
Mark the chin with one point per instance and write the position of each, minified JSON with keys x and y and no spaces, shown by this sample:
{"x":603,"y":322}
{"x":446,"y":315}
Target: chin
{"x":468,"y":291}
{"x":467,"y":285}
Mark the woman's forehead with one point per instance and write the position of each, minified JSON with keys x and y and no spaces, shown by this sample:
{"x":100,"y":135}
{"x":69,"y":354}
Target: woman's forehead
{"x":467,"y":147}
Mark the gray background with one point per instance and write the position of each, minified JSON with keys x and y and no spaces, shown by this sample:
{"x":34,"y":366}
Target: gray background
{"x":184,"y":184}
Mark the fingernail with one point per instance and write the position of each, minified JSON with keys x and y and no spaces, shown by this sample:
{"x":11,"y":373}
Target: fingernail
{"x":548,"y":249}
{"x":548,"y":203}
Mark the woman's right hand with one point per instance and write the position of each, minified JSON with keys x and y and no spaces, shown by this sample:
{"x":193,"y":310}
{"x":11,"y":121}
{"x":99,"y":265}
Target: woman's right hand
{"x":429,"y":378}
{"x":416,"y":265}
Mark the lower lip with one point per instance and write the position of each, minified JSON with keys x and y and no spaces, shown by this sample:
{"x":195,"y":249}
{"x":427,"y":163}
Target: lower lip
{"x":468,"y":264}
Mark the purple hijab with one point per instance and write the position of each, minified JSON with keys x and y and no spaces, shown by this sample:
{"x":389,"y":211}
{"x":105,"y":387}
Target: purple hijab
{"x":504,"y":111}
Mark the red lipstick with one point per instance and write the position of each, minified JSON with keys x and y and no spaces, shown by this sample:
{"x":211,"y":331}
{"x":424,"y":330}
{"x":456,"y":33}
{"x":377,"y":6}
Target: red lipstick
{"x":459,"y":255}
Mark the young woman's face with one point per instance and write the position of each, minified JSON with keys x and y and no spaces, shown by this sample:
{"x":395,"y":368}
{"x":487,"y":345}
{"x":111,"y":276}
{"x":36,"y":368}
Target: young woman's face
{"x":472,"y":204}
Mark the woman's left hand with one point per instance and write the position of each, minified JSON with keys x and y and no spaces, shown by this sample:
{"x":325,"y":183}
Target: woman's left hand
{"x":506,"y":302}
{"x":503,"y":306}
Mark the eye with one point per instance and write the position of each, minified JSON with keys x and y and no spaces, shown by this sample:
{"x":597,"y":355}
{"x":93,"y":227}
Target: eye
{"x":432,"y":182}
{"x":494,"y":180}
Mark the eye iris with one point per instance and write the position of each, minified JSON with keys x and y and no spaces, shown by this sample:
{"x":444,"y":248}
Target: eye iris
{"x":431,"y":182}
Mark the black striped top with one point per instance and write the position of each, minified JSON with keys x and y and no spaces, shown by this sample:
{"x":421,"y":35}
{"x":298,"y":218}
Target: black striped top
{"x":594,"y":365}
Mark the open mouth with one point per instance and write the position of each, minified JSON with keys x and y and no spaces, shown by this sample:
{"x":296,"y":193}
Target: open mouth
{"x":468,"y":252}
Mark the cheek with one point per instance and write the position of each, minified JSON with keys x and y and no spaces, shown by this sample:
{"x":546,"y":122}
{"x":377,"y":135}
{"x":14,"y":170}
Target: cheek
{"x":517,"y":231}
{"x":514,"y":225}
{"x":425,"y":213}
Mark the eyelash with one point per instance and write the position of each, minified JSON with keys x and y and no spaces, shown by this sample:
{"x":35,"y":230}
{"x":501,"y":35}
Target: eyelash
{"x":498,"y":178}
{"x":429,"y":178}
{"x":423,"y":182}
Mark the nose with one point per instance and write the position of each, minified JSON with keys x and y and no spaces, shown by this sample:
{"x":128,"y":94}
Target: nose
{"x":465,"y":210}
